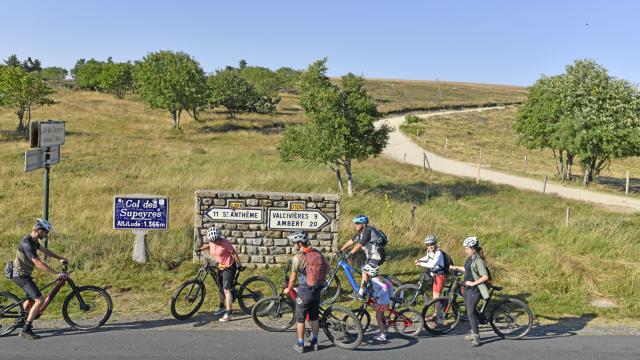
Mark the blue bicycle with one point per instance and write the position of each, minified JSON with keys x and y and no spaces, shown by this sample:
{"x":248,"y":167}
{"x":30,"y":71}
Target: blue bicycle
{"x":331,"y":291}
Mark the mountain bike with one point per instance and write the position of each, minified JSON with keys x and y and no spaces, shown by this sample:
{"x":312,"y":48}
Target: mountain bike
{"x":509,"y":318}
{"x":415,"y":295}
{"x":341,"y":326}
{"x":407,"y":321}
{"x":85,"y":308}
{"x":189,"y":296}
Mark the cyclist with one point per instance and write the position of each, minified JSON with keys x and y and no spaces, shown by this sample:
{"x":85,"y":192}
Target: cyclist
{"x":363,"y":240}
{"x":309,"y":267}
{"x":475,"y":277}
{"x":23,"y":265}
{"x":223,"y":252}
{"x":435,"y":262}
{"x":382,"y":291}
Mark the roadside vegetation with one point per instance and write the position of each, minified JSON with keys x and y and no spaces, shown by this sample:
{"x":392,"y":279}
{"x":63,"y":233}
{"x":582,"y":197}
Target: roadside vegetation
{"x":119,"y":146}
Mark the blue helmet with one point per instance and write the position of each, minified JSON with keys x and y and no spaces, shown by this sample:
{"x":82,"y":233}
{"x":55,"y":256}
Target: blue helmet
{"x":360,"y":219}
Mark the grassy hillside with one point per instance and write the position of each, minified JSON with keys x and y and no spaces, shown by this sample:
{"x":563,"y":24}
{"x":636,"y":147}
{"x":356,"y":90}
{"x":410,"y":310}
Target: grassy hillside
{"x":493,"y":131}
{"x":119,"y":146}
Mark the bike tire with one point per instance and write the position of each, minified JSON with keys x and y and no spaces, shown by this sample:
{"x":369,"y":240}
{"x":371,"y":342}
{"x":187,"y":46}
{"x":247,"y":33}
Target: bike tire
{"x":192,"y":299}
{"x":252,"y":290}
{"x":97,"y":312}
{"x":273,"y":314}
{"x":511,"y":319}
{"x":451,"y":315}
{"x":342,"y":327}
{"x":330,"y":292}
{"x":409,"y":296}
{"x":364,"y":317}
{"x":408,"y":322}
{"x":10,"y":319}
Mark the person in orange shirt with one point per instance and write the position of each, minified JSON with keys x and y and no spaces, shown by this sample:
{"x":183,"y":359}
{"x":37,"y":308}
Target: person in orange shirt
{"x":222,"y":251}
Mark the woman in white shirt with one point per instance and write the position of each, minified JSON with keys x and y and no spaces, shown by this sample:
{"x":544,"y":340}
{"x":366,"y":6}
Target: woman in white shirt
{"x":435,"y":262}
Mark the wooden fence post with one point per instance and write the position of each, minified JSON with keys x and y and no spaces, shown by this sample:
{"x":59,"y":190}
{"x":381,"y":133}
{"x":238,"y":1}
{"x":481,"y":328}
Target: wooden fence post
{"x":479,"y":162}
{"x":525,"y":163}
{"x":544,"y":187}
{"x":404,"y":159}
{"x":446,"y":143}
{"x":413,"y":212}
{"x":586,"y":176}
{"x":568,"y":215}
{"x":626,"y":186}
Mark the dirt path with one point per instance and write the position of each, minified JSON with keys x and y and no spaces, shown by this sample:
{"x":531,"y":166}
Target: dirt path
{"x":401,"y":145}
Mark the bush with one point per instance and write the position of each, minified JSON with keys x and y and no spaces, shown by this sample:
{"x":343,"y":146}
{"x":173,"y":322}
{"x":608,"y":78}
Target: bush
{"x":411,"y":119}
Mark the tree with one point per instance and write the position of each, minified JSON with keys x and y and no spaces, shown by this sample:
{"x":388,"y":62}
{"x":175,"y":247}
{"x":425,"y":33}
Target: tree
{"x":12,"y":60}
{"x":287,"y":78}
{"x":25,"y":91}
{"x":31,"y":65}
{"x":54,"y":74}
{"x":265,"y":85}
{"x":116,"y":78}
{"x":171,"y":81}
{"x":86,"y":73}
{"x":582,"y":113}
{"x":341,"y":124}
{"x":232,"y":91}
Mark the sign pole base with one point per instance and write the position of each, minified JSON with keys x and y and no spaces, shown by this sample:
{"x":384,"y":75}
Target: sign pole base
{"x":140,"y":249}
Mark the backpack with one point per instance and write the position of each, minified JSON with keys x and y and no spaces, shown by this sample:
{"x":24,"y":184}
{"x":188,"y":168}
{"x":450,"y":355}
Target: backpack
{"x":8,"y":270}
{"x":378,"y":238}
{"x":316,"y":268}
{"x":448,"y":261}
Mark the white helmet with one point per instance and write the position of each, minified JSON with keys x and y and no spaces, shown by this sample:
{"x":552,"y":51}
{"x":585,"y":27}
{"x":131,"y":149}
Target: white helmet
{"x":471,"y":242}
{"x":299,"y":236}
{"x":213,"y":234}
{"x":42,"y":224}
{"x":370,"y":269}
{"x":430,"y":239}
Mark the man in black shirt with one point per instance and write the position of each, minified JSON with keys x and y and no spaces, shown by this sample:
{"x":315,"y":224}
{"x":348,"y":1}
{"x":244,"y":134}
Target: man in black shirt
{"x":25,"y":262}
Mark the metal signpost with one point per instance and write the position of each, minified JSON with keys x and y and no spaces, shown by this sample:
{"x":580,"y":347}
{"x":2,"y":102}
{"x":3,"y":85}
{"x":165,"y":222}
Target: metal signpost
{"x":140,"y":213}
{"x":46,"y":137}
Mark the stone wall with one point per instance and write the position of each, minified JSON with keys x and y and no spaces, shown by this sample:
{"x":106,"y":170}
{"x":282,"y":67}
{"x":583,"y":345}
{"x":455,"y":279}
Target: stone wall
{"x":258,"y":223}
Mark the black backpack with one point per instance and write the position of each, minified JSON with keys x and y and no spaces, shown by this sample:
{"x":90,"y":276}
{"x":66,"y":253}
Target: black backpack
{"x":448,"y":261}
{"x":378,"y":238}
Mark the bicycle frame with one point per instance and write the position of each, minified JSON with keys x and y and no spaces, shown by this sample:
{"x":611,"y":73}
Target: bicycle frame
{"x":457,"y":290}
{"x":348,"y":270}
{"x":208,"y":268}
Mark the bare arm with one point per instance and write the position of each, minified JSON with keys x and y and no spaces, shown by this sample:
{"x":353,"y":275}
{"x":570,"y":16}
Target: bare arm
{"x":356,"y":249}
{"x":482,"y":279}
{"x":43,"y":266}
{"x":50,"y":253}
{"x":346,"y":245}
{"x":292,"y":281}
{"x":204,"y":247}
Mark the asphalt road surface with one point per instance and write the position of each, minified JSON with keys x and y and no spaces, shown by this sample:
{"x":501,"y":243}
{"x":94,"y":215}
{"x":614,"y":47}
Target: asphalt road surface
{"x":155,"y":340}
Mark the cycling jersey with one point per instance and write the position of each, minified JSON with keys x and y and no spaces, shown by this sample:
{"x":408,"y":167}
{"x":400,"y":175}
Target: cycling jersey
{"x":23,"y":263}
{"x":373,"y":251}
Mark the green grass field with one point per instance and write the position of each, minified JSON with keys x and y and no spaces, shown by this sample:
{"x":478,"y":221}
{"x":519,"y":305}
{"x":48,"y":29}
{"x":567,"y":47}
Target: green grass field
{"x":120,"y":146}
{"x":466,"y":133}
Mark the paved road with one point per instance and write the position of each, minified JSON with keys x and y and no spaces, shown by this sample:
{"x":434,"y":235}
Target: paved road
{"x":400,"y":144}
{"x":163,"y":339}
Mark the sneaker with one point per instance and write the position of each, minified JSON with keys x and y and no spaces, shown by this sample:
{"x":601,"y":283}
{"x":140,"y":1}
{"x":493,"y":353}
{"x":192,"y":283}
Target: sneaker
{"x":219,"y":311}
{"x":476,"y":340}
{"x":298,"y":348}
{"x":28,"y":334}
{"x":226,"y":317}
{"x":469,"y":336}
{"x":381,"y":337}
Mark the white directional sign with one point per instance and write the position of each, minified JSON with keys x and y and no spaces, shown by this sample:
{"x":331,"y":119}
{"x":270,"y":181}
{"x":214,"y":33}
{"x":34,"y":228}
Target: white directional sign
{"x":51,"y":133}
{"x":297,"y":219}
{"x":255,"y":215}
{"x":35,"y":159}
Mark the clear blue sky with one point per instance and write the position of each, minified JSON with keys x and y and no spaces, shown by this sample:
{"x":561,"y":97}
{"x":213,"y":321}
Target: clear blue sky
{"x":505,"y":42}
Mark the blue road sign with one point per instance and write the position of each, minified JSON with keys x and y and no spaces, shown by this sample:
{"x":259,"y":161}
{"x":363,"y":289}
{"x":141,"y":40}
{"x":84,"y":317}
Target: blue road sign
{"x":141,"y":213}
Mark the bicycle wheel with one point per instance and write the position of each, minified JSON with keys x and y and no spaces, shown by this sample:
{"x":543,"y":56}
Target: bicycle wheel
{"x":408,"y":322}
{"x":449,"y":315}
{"x":11,"y":313}
{"x":187,"y":299}
{"x":273,"y":313}
{"x":342,"y":327}
{"x":363,"y":316}
{"x":409,"y":296}
{"x":87,"y":308}
{"x":254,"y":289}
{"x":330,"y":292}
{"x":511,"y":319}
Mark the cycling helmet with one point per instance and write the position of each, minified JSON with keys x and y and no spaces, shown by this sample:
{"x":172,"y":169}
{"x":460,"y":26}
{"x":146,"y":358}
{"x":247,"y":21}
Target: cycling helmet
{"x":370,"y":269}
{"x":471,"y":242}
{"x":298,"y":237}
{"x":213,"y":234}
{"x":42,"y":224}
{"x":430,"y":240}
{"x":361,"y":219}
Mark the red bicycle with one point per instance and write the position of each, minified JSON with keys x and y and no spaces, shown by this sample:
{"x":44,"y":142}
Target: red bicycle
{"x":407,"y":321}
{"x":85,"y":308}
